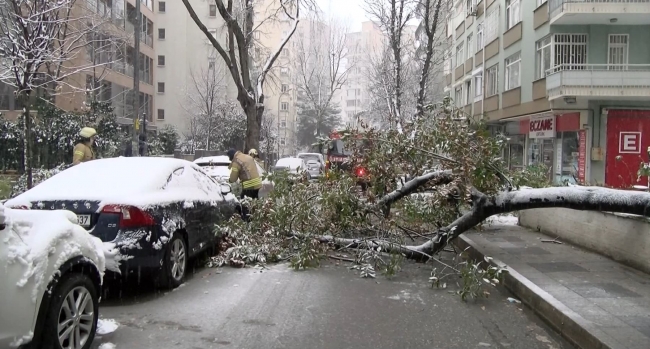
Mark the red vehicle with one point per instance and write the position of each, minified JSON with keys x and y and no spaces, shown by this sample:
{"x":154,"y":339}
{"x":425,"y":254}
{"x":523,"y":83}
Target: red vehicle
{"x":338,"y":157}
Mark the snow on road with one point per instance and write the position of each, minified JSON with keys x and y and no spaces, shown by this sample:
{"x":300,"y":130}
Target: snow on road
{"x":106,"y":326}
{"x":503,"y":219}
{"x":107,"y":346}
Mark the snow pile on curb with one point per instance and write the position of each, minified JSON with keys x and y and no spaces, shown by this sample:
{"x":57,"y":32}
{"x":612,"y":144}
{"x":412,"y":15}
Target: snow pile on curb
{"x":106,"y":326}
{"x":503,"y":220}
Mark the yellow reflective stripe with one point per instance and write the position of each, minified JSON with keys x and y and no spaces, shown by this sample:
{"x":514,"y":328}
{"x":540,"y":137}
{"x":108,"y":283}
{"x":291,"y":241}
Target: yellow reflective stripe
{"x":77,"y":152}
{"x":252,"y":183}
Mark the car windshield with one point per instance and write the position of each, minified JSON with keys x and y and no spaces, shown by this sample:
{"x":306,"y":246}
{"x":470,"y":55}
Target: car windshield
{"x":308,"y":157}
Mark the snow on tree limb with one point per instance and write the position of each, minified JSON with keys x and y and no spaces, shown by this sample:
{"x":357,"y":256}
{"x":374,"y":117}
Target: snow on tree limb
{"x":440,"y":177}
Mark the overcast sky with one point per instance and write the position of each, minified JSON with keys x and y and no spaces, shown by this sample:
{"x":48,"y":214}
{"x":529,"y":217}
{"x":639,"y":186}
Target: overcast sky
{"x":348,"y":10}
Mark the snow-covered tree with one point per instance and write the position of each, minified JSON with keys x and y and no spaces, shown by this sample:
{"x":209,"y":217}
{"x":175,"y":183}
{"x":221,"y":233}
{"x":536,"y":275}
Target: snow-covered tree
{"x":242,"y":19}
{"x":168,"y":137}
{"x":440,"y":177}
{"x":38,"y":41}
{"x":322,"y":67}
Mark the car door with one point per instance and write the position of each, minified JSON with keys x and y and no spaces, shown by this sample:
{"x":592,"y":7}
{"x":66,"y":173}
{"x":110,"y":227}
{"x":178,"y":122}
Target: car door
{"x":213,"y":208}
{"x":190,"y":210}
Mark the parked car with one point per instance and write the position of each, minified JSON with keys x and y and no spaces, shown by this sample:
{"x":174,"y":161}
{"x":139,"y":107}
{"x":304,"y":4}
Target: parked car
{"x":218,"y":167}
{"x":159,"y":212}
{"x":315,"y":163}
{"x":51,"y":272}
{"x":296,"y":167}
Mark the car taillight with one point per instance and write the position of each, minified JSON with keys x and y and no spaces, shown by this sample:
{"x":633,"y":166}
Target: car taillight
{"x":361,"y":171}
{"x":130,"y":216}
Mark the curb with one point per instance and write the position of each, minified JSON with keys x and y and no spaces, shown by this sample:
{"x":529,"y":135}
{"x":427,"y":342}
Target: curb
{"x":569,"y":324}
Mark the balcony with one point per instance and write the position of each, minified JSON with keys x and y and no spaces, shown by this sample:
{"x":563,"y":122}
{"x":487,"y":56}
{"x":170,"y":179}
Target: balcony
{"x":598,"y":81}
{"x":583,"y":12}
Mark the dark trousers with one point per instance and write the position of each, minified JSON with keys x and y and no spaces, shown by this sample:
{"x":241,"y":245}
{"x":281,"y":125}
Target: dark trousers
{"x":251,"y":193}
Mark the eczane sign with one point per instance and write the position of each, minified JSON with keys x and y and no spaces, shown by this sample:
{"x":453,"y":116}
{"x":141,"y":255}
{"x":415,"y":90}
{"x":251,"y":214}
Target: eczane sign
{"x":542,"y":127}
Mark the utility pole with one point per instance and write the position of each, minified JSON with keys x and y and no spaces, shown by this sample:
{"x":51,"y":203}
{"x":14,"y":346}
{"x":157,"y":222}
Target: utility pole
{"x":136,"y":76}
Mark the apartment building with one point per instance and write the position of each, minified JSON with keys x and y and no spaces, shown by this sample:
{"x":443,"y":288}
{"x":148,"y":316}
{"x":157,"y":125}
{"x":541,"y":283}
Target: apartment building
{"x":111,"y":50}
{"x":568,"y":81}
{"x":362,"y":48}
{"x":187,"y":66}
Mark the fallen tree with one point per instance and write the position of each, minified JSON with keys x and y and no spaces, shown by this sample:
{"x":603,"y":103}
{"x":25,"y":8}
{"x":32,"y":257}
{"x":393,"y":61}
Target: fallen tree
{"x":443,"y":177}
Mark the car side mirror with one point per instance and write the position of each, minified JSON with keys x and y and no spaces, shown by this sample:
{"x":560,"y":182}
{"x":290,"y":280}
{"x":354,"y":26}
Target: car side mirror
{"x":225,"y":189}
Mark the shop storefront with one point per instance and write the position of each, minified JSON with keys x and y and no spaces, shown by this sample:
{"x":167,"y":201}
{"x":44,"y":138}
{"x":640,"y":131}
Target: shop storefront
{"x":628,"y":142}
{"x":556,"y":141}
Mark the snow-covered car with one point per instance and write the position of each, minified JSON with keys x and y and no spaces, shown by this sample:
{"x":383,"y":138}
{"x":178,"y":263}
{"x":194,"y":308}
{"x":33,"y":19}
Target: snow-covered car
{"x":158,"y":212}
{"x":218,"y":168}
{"x":296,"y":168}
{"x":315,"y":163}
{"x":51,"y":273}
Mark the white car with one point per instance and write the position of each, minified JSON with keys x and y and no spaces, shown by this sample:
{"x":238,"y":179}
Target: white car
{"x":296,"y":167}
{"x":51,"y":271}
{"x":315,"y":163}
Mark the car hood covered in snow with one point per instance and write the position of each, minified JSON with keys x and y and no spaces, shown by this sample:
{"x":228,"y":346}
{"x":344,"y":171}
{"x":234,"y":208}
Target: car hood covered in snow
{"x":139,"y":181}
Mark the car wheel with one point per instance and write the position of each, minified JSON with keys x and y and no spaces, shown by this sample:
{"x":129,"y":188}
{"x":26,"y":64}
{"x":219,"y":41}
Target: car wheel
{"x":72,"y":318}
{"x":175,"y":262}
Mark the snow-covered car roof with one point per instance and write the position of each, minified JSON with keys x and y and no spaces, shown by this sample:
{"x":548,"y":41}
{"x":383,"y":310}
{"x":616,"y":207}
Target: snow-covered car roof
{"x":212,"y":159}
{"x":291,"y":163}
{"x":138,"y":181}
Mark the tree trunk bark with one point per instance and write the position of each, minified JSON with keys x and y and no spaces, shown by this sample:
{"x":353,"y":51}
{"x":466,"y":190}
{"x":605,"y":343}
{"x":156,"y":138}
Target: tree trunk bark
{"x":253,"y":126}
{"x":27,"y":140}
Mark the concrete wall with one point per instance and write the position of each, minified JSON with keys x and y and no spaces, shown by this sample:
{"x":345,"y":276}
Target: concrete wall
{"x":625,"y":239}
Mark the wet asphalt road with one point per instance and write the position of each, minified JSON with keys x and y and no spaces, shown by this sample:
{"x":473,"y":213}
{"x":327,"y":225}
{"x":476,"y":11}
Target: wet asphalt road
{"x":331,"y":307}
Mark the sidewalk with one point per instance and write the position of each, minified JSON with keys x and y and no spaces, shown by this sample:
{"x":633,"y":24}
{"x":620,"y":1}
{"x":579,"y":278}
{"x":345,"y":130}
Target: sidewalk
{"x":591,"y":300}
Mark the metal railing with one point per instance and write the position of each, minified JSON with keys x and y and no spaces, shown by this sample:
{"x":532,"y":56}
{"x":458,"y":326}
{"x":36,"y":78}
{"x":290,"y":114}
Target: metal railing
{"x":598,"y":75}
{"x":556,"y":7}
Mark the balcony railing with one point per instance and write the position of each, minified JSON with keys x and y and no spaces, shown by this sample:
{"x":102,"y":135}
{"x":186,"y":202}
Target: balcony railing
{"x":600,"y":79}
{"x":557,"y":7}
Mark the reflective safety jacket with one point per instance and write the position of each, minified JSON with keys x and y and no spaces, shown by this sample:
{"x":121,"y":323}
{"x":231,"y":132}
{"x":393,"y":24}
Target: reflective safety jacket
{"x":244,"y":168}
{"x":82,"y":153}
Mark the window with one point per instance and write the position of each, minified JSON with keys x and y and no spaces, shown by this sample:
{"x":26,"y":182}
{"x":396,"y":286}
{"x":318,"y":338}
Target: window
{"x":458,"y":96}
{"x":256,"y":35}
{"x":540,"y":2}
{"x":161,"y":87}
{"x":513,"y":71}
{"x":211,"y":64}
{"x":468,"y":92}
{"x":479,"y":37}
{"x":161,"y":6}
{"x":618,"y":49}
{"x":478,"y":86}
{"x":283,"y":141}
{"x":284,"y":106}
{"x":460,"y":54}
{"x":213,"y":10}
{"x":285,"y":88}
{"x":351,"y":102}
{"x":161,"y":114}
{"x":513,"y":13}
{"x":470,"y":46}
{"x":161,"y":33}
{"x":161,"y":60}
{"x":542,"y":57}
{"x":283,"y":124}
{"x":491,"y":25}
{"x":470,"y":8}
{"x":284,"y":71}
{"x":492,"y":77}
{"x":569,"y":51}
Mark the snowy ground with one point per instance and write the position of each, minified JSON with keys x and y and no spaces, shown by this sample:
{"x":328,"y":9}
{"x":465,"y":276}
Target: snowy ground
{"x":330,"y":307}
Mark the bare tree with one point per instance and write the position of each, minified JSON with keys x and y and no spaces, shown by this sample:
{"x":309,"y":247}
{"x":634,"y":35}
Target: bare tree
{"x":322,"y":67}
{"x":38,"y":41}
{"x":214,"y":122}
{"x":268,"y":137}
{"x":236,"y":53}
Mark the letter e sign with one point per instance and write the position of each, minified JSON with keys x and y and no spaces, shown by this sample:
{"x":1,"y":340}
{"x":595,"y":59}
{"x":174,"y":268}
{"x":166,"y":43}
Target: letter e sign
{"x":629,"y":143}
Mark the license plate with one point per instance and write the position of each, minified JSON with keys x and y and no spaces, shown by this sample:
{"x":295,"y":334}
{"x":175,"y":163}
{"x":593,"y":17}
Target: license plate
{"x":84,"y":220}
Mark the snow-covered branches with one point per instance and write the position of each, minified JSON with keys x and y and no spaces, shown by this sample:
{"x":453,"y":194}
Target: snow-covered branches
{"x":235,"y":48}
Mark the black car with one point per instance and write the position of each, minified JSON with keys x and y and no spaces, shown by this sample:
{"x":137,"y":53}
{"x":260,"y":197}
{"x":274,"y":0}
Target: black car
{"x":158,"y":212}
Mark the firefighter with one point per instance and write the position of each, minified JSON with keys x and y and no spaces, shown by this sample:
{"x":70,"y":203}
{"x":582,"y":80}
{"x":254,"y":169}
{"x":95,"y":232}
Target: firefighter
{"x":244,"y":169}
{"x":83,"y":150}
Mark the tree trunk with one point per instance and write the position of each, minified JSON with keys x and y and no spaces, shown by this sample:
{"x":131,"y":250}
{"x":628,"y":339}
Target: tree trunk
{"x":253,"y":126}
{"x":27,"y":140}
